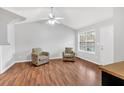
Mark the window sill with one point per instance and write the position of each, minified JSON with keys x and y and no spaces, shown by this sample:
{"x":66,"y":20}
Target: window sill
{"x":2,"y":44}
{"x":93,"y":53}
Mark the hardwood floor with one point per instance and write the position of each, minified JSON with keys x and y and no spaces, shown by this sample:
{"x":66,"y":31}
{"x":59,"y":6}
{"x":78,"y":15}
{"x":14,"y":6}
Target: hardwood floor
{"x":56,"y":72}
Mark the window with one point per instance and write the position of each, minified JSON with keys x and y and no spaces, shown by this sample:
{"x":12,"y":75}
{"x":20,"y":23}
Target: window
{"x":87,"y":41}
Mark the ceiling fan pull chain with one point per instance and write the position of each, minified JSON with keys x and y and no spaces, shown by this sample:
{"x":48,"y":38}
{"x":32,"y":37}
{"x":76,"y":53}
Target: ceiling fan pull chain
{"x":52,"y":10}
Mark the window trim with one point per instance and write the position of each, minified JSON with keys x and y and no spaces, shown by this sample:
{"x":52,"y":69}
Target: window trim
{"x":89,"y":52}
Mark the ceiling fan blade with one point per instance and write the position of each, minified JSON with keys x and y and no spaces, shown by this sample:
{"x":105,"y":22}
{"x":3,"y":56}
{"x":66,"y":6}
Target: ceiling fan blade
{"x":44,"y":19}
{"x":51,"y":15}
{"x":37,"y":20}
{"x":56,"y":21}
{"x":58,"y":18}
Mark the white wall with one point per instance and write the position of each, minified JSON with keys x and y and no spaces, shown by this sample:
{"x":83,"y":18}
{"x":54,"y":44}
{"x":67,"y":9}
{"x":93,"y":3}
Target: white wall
{"x":5,"y":18}
{"x":3,"y":29}
{"x":53,"y":39}
{"x":119,"y":34}
{"x":118,"y":22}
{"x":95,"y":58}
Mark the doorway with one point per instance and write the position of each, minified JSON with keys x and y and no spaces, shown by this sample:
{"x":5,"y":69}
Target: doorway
{"x":106,"y":45}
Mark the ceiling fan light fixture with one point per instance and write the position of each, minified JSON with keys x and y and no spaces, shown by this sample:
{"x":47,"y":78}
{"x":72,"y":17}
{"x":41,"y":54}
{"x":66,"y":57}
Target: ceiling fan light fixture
{"x":51,"y":22}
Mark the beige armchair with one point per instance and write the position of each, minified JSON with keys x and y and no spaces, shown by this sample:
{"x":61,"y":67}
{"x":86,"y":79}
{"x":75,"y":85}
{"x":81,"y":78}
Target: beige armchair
{"x":68,"y":55}
{"x":39,"y":57}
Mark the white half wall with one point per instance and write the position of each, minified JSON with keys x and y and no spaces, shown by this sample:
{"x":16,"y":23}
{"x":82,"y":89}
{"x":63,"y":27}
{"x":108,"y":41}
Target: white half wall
{"x":49,"y":38}
{"x":8,"y":51}
{"x":0,"y":59}
{"x":7,"y":39}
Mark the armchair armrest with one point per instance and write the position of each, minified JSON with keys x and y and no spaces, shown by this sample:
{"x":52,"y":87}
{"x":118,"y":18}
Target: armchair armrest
{"x":34,"y":57}
{"x":63,"y":54}
{"x":74,"y":53}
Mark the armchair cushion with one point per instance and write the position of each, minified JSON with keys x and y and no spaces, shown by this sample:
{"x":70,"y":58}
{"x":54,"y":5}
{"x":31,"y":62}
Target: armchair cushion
{"x":68,"y":50}
{"x":42,"y":58}
{"x":68,"y":55}
{"x":44,"y":53}
{"x":36,"y":50}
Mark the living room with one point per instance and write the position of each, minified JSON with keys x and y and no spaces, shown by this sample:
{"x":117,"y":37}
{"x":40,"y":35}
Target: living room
{"x":93,"y":35}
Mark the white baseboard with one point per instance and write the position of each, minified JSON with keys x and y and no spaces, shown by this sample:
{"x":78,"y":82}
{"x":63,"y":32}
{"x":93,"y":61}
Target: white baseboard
{"x":5,"y":69}
{"x":56,"y":58}
{"x":88,"y":60}
{"x":20,"y":61}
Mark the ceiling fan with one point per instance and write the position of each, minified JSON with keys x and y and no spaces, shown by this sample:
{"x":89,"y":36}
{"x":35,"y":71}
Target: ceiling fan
{"x":52,"y":19}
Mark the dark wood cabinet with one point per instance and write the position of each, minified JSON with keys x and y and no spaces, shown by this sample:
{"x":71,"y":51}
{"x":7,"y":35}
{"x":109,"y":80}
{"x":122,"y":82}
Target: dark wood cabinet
{"x":110,"y":80}
{"x":113,"y":74}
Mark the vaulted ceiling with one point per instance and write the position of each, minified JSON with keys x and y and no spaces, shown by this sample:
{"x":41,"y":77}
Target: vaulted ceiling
{"x":74,"y":17}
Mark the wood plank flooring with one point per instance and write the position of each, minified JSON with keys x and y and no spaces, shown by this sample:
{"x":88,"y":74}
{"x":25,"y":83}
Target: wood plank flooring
{"x":55,"y":73}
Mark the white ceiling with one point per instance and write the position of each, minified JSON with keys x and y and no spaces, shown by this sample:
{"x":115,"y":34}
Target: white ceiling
{"x":74,"y":17}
